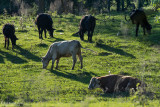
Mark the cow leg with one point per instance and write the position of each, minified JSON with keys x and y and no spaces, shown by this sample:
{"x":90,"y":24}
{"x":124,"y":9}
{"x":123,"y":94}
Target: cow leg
{"x":81,"y":35}
{"x":42,"y":33}
{"x":57,"y":62}
{"x":74,"y":60}
{"x":81,"y":60}
{"x":53,"y":60}
{"x":39,"y":30}
{"x":12,"y":46}
{"x":127,"y":87}
{"x":144,"y":30}
{"x":137,"y":27}
{"x":45,"y":33}
{"x":8,"y":43}
{"x":89,"y":36}
{"x":5,"y":42}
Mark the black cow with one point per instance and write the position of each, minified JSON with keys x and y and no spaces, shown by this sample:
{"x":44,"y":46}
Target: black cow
{"x":9,"y":33}
{"x":138,"y":17}
{"x":87,"y":23}
{"x":44,"y":22}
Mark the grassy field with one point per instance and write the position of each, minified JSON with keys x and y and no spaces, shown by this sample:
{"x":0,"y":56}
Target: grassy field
{"x":23,"y":82}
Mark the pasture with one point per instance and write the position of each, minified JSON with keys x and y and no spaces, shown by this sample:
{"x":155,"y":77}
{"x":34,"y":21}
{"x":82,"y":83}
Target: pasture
{"x":23,"y":82}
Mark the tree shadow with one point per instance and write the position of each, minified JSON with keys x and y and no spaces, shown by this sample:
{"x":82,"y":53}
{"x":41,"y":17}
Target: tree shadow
{"x":57,"y":40}
{"x":59,"y":31}
{"x":42,"y":45}
{"x":27,"y":54}
{"x":83,"y":77}
{"x":115,"y":50}
{"x":104,"y":54}
{"x":1,"y":58}
{"x":75,"y":35}
{"x":12,"y":58}
{"x":24,"y":31}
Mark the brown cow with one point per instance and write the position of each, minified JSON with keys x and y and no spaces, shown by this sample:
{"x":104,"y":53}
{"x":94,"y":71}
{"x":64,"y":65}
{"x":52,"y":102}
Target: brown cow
{"x":114,"y":83}
{"x":63,"y":49}
{"x":138,"y":17}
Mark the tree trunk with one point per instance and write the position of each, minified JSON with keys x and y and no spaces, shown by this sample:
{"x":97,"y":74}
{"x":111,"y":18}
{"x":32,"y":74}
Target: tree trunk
{"x":128,"y":3}
{"x":122,"y":5}
{"x":109,"y":5}
{"x":41,"y":8}
{"x":140,"y":4}
{"x":118,"y":5}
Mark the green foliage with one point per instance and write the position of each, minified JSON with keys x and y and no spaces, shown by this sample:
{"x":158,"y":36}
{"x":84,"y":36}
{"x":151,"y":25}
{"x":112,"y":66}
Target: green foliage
{"x":23,"y":82}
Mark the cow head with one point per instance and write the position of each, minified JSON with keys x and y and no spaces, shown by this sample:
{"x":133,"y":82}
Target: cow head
{"x":13,"y":40}
{"x":94,"y":83}
{"x":51,"y":32}
{"x":45,"y":62}
{"x":149,"y":27}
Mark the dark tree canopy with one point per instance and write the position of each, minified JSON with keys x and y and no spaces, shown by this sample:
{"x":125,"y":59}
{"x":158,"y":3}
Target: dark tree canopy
{"x":68,"y":6}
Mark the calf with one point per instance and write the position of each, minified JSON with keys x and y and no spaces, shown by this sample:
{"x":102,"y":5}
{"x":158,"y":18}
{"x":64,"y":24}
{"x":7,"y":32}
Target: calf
{"x":114,"y":83}
{"x":44,"y":22}
{"x":87,"y":23}
{"x":63,"y":49}
{"x":138,"y":17}
{"x":9,"y":33}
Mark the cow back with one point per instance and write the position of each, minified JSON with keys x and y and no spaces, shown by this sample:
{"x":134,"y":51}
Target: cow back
{"x":44,"y":20}
{"x":87,"y":23}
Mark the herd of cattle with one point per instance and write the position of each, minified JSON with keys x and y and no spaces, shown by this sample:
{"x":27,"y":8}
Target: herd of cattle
{"x":108,"y":83}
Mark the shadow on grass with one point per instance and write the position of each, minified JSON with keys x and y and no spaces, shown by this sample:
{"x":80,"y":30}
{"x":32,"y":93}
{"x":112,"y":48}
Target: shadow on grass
{"x":115,"y":95}
{"x":42,"y":45}
{"x":115,"y":50}
{"x":59,"y":31}
{"x":25,"y":31}
{"x":28,"y":54}
{"x":57,"y":40}
{"x":83,"y":77}
{"x":75,"y":35}
{"x":12,"y":58}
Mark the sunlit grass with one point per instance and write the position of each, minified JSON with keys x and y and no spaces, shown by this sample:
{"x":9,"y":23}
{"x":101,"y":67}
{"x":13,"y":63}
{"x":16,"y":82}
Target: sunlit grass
{"x":23,"y":81}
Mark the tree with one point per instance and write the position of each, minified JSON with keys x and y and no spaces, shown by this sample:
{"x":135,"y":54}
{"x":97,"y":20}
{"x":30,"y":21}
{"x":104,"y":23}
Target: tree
{"x":122,"y":5}
{"x":41,"y":7}
{"x":140,"y":3}
{"x":118,"y":5}
{"x":109,"y":5}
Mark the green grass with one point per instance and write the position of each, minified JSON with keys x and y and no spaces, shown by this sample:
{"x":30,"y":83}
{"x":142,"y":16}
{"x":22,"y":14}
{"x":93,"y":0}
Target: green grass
{"x":24,"y":82}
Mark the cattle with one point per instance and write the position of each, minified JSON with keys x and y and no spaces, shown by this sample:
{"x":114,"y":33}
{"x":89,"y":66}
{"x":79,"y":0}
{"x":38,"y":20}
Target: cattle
{"x":87,"y":23}
{"x":115,"y":83}
{"x":62,"y":49}
{"x":44,"y":22}
{"x":138,"y":17}
{"x":9,"y":33}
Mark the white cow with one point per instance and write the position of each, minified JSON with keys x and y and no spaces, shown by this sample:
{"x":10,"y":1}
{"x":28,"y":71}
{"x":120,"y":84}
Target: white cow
{"x":63,"y":49}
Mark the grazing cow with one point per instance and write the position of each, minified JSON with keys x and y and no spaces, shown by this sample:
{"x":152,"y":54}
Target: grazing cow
{"x":63,"y":49}
{"x":138,"y":17}
{"x":115,"y":83}
{"x":87,"y":23}
{"x":44,"y":22}
{"x":9,"y":33}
